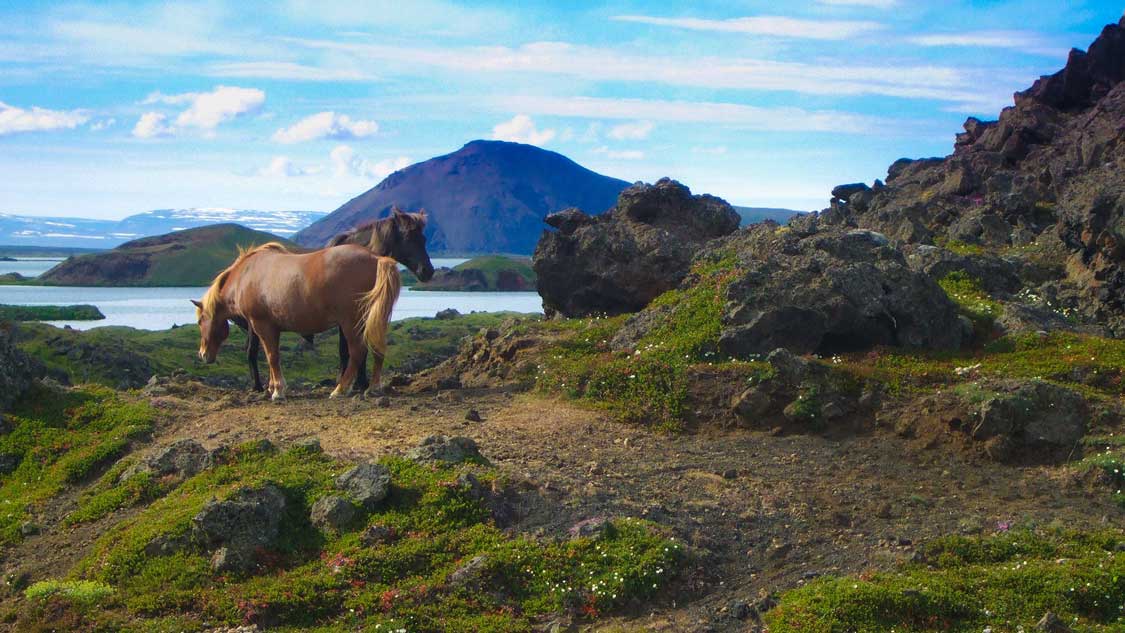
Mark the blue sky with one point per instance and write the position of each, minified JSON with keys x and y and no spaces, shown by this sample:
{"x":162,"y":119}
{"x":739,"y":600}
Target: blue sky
{"x":108,"y":109}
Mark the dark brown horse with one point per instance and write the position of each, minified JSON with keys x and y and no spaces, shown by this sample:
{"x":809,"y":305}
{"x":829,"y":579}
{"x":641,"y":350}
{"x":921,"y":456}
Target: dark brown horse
{"x":399,"y":236}
{"x":273,"y":290}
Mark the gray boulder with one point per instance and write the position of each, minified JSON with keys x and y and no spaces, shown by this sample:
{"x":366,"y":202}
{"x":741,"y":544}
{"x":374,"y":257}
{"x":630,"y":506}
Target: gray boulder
{"x":619,"y":261}
{"x":1032,"y":414}
{"x":442,"y":448}
{"x":17,"y":371}
{"x":368,"y":484}
{"x":824,"y":290}
{"x":236,"y":528}
{"x":332,"y":513}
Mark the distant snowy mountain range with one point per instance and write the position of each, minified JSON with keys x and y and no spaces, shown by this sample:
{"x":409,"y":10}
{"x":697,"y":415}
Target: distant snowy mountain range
{"x":23,"y":230}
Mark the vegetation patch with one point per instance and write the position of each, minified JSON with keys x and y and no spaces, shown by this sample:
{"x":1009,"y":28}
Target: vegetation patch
{"x":973,"y":301}
{"x":102,"y":355}
{"x":1006,"y":581}
{"x":50,"y":313}
{"x":61,"y":438}
{"x":649,"y":383}
{"x":444,"y":565}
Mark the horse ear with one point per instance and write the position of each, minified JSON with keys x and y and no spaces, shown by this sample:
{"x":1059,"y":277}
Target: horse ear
{"x":396,"y":211}
{"x":197,"y":304}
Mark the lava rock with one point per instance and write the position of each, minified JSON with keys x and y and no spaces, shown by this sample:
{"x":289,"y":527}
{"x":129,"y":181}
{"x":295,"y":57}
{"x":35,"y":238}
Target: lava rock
{"x":18,"y":371}
{"x":332,"y":513}
{"x":441,"y":448}
{"x":239,"y":526}
{"x":377,"y":535}
{"x":619,"y":261}
{"x":368,"y":484}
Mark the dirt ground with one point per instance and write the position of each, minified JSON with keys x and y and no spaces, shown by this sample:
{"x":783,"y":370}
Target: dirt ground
{"x":761,"y":512}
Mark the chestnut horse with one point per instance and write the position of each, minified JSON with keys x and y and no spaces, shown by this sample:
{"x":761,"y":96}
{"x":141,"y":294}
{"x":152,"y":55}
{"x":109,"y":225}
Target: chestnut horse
{"x":274,"y":290}
{"x":399,"y":236}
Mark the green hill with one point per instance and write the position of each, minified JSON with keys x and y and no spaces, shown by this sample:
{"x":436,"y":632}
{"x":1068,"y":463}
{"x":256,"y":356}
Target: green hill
{"x":182,"y":258}
{"x":487,"y":273}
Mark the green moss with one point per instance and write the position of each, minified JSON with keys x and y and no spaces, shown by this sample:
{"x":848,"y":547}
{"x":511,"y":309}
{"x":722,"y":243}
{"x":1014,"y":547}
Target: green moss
{"x":959,"y":247}
{"x":414,"y":343}
{"x":83,"y":592}
{"x":1007,"y":581}
{"x":973,"y":301}
{"x":50,"y":313}
{"x":329,"y":582}
{"x":647,"y":384}
{"x":62,"y":438}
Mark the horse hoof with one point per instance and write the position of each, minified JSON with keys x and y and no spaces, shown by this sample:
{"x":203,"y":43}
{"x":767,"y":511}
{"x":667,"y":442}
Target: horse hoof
{"x":278,"y":397}
{"x":335,"y":393}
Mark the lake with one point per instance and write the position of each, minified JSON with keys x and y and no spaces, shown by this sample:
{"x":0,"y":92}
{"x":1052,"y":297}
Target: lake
{"x":161,"y":308}
{"x":30,"y":267}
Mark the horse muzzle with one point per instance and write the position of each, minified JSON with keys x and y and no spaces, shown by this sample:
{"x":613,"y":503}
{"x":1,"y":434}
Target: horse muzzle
{"x":425,"y":273}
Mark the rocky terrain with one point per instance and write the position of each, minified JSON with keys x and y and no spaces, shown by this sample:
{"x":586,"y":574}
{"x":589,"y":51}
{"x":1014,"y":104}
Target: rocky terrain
{"x":487,"y":197}
{"x":183,"y":258}
{"x":903,"y":413}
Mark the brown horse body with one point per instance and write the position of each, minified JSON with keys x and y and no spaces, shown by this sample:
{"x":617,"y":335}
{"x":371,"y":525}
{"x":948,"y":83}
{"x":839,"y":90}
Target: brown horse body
{"x":276,"y":291}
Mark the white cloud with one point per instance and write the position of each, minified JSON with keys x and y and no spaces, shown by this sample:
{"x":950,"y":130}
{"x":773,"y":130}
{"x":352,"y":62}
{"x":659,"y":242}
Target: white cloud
{"x":627,"y":154}
{"x":209,"y":109}
{"x":285,"y":70}
{"x":749,"y":117}
{"x":1019,"y":40}
{"x":521,"y":129}
{"x":103,"y":124}
{"x":328,"y":125}
{"x":718,"y":150}
{"x":631,"y":131}
{"x":282,"y":167}
{"x":770,"y":25}
{"x":13,"y":119}
{"x":152,"y":125}
{"x":346,"y":163}
{"x":206,"y":110}
{"x":875,"y":4}
{"x":942,"y":83}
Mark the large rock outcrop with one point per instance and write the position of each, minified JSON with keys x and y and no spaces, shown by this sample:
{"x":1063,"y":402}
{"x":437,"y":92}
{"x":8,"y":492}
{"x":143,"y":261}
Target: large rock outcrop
{"x":806,"y":288}
{"x":619,"y":261}
{"x":17,"y":371}
{"x":1040,"y":185}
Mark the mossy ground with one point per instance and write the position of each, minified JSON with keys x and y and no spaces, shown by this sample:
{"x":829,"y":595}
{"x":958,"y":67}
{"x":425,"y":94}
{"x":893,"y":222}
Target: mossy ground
{"x":1007,"y":581}
{"x":50,"y":313}
{"x":61,"y":439}
{"x":310,"y":580}
{"x":415,"y":342}
{"x":648,"y":384}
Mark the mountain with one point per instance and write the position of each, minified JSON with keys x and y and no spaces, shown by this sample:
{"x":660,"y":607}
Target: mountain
{"x":191,"y":257}
{"x":18,"y":230}
{"x":1031,"y":205}
{"x":753,"y":215}
{"x":487,"y":197}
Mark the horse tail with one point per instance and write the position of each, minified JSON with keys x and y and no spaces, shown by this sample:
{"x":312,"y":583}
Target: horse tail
{"x":377,"y":304}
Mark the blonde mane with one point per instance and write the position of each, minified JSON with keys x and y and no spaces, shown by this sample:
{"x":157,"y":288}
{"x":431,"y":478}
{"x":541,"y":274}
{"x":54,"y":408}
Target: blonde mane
{"x":210,"y":299}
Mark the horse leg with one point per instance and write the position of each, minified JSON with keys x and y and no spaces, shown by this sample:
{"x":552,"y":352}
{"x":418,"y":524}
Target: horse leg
{"x":376,"y":387}
{"x":271,"y":341}
{"x":253,"y":344}
{"x":343,"y":346}
{"x":357,"y":355}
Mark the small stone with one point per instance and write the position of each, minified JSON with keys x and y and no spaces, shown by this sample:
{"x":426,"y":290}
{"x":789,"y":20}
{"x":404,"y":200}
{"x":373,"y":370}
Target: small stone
{"x":730,"y":473}
{"x":383,"y":402}
{"x":332,"y":513}
{"x":469,"y":574}
{"x":740,"y":610}
{"x":589,"y":528}
{"x":473,"y":416}
{"x":441,"y":448}
{"x":1050,"y":623}
{"x":368,"y":484}
{"x":377,"y":535}
{"x":310,"y":445}
{"x":29,"y":529}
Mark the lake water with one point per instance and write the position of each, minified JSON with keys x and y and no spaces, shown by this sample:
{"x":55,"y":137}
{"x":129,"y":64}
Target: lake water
{"x":31,"y":267}
{"x":161,"y":308}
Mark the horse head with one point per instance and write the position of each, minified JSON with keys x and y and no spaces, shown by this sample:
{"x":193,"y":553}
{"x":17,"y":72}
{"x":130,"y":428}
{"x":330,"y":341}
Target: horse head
{"x":404,"y":239}
{"x":212,"y":332}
